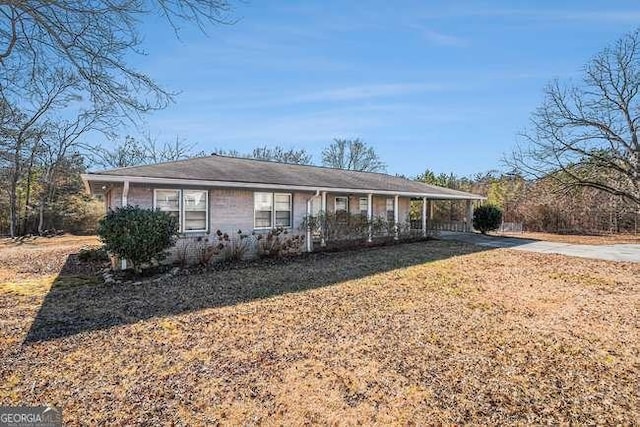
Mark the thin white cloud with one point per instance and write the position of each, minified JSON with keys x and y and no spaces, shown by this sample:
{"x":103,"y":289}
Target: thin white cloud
{"x":601,"y":16}
{"x":337,"y":95}
{"x":441,"y":39}
{"x":357,"y":93}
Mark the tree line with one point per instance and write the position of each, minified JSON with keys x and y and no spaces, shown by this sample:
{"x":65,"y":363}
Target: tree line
{"x":540,"y":204}
{"x":55,"y":199}
{"x":45,"y":191}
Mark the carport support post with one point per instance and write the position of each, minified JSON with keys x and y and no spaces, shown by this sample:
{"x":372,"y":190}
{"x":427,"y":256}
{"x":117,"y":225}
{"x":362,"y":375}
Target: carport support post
{"x":309,"y":235}
{"x":469,"y":216}
{"x":323,"y":221}
{"x":424,"y":217}
{"x":370,"y":215}
{"x":125,"y":202}
{"x":395,"y":217}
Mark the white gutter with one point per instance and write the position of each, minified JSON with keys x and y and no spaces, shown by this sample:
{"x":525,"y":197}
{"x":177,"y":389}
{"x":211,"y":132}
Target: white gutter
{"x":251,"y":185}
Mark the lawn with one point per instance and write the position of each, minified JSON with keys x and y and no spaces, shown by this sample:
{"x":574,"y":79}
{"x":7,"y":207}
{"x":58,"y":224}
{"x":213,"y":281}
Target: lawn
{"x":423,"y":333}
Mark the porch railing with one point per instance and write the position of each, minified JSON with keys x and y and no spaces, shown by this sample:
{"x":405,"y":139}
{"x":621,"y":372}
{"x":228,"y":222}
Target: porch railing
{"x":511,"y":227}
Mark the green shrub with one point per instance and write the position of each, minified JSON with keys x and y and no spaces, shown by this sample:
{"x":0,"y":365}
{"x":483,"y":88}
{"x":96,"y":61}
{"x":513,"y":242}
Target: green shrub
{"x":138,"y":235}
{"x":487,"y":218}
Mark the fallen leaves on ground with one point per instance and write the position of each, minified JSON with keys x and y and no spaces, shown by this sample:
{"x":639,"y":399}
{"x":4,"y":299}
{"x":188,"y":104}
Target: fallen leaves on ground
{"x":432,"y":332}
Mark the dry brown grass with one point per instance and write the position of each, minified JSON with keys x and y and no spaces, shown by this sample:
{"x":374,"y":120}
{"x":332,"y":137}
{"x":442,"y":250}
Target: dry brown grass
{"x":604,"y":239}
{"x":34,"y":257}
{"x":423,"y":333}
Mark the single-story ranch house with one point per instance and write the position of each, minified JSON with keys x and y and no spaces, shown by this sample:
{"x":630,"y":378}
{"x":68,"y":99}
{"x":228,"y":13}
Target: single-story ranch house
{"x":228,"y":194}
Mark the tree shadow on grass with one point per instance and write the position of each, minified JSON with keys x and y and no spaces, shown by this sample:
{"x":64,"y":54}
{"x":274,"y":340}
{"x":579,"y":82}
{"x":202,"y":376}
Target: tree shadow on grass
{"x":74,"y":305}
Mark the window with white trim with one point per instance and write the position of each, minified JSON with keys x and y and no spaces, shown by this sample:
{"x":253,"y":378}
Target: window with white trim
{"x":195,"y":207}
{"x":272,"y":209}
{"x":168,"y":201}
{"x":342,"y":208}
{"x":191,"y":207}
{"x":342,"y":204}
{"x":364,"y":206}
{"x":282,"y":209}
{"x":390,"y":209}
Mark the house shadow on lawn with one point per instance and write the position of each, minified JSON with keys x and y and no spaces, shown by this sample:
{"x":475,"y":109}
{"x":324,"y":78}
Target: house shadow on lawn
{"x":73,"y":306}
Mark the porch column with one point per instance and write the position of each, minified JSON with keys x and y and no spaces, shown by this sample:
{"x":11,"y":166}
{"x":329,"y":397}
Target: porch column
{"x":469,"y":216}
{"x":309,"y":234}
{"x":424,"y":217}
{"x":370,"y":215}
{"x":125,"y":202}
{"x":395,"y":216}
{"x":323,"y":210}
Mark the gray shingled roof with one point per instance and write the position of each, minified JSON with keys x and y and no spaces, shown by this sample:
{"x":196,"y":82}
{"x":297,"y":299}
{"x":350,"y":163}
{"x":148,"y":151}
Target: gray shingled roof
{"x":231,"y":169}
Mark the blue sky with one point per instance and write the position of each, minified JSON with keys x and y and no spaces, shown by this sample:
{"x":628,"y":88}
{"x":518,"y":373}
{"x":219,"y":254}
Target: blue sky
{"x":439,"y":85}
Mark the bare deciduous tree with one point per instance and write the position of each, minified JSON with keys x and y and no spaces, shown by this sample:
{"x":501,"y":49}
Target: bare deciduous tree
{"x":586,"y":135}
{"x":352,"y":154}
{"x":61,"y":141}
{"x":22,"y":135}
{"x":279,"y":154}
{"x":91,"y":41}
{"x":143,"y":151}
{"x":274,"y":154}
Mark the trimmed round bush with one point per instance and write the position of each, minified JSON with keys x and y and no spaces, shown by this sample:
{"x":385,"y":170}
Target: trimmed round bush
{"x":487,"y":218}
{"x":138,"y":235}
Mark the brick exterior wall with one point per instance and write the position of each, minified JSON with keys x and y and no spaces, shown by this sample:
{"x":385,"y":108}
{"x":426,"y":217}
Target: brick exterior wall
{"x":231,"y":209}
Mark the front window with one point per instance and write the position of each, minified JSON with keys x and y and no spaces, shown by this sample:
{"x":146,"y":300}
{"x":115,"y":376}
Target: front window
{"x":263,"y":208}
{"x":272,"y":209}
{"x":390,"y":210}
{"x":342,"y":208}
{"x":195,"y":210}
{"x":342,"y":204}
{"x":191,"y":207}
{"x":283,"y":210}
{"x":364,"y":206}
{"x":168,"y":201}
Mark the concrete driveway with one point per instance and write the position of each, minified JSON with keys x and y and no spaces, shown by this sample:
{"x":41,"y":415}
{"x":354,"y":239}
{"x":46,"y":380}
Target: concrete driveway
{"x":622,"y":252}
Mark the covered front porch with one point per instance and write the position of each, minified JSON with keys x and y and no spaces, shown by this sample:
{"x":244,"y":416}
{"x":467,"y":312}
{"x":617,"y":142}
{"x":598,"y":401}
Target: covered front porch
{"x":371,"y":216}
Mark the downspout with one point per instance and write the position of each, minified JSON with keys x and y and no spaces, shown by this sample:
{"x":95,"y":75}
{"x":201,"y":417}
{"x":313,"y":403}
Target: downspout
{"x":323,"y":209}
{"x":396,"y":229}
{"x":424,"y":217}
{"x":125,"y":194}
{"x":308,"y":237}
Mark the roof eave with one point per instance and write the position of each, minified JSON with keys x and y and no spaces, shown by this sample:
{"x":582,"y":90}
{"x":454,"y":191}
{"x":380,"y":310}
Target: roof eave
{"x":255,"y":185}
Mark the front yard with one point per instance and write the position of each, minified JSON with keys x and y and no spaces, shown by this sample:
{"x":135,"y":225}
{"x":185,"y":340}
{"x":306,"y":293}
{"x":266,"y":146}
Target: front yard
{"x":424,"y":333}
